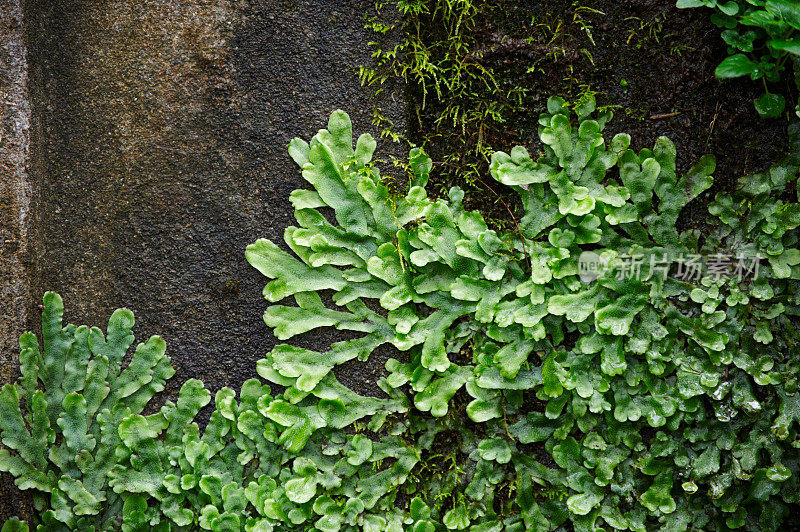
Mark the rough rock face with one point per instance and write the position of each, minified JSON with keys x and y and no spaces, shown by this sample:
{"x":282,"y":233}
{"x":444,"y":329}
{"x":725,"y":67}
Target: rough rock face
{"x":15,"y":197}
{"x":157,"y":153}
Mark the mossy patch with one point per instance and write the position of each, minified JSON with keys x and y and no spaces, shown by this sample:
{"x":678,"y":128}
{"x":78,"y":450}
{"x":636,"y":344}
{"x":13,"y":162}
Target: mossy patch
{"x":479,"y":72}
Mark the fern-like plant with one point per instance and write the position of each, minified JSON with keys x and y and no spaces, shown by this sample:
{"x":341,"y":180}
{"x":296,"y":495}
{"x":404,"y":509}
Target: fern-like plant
{"x":59,"y":422}
{"x":624,"y":396}
{"x":525,"y":394}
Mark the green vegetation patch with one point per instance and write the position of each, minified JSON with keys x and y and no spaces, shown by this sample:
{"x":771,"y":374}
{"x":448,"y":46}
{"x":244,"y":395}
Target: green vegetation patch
{"x":763,"y":36}
{"x":591,"y":367}
{"x":471,"y":67}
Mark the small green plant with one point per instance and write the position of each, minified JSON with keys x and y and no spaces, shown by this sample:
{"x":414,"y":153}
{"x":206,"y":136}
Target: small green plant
{"x":453,"y":57}
{"x":436,"y":58}
{"x":763,"y":36}
{"x":567,"y":374}
{"x":59,"y":422}
{"x":650,"y":396}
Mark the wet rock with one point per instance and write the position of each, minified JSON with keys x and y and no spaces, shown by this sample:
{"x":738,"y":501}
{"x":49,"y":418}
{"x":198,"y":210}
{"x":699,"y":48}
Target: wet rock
{"x":15,"y":196}
{"x":158,"y":152}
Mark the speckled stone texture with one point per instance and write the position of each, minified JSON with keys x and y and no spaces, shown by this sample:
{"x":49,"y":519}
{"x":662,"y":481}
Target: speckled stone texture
{"x":15,"y":196}
{"x":157,"y":153}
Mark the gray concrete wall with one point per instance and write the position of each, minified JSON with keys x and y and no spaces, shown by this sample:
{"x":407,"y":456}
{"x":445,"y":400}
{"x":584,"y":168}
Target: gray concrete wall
{"x":157,"y":153}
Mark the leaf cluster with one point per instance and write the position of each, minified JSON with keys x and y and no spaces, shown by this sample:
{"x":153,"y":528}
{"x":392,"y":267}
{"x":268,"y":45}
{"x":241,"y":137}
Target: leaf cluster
{"x":632,"y":401}
{"x":58,"y":423}
{"x":521,"y":396}
{"x":763,"y":36}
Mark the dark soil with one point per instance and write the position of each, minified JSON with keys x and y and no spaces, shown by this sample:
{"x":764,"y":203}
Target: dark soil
{"x":652,"y":63}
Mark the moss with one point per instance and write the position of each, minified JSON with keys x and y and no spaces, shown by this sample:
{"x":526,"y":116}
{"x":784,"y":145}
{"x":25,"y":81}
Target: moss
{"x":474,"y":71}
{"x":479,"y":73}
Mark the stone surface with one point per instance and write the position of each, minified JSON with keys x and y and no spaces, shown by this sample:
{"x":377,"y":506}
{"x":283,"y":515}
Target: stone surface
{"x":15,"y":196}
{"x":158,"y":152}
{"x":15,"y":185}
